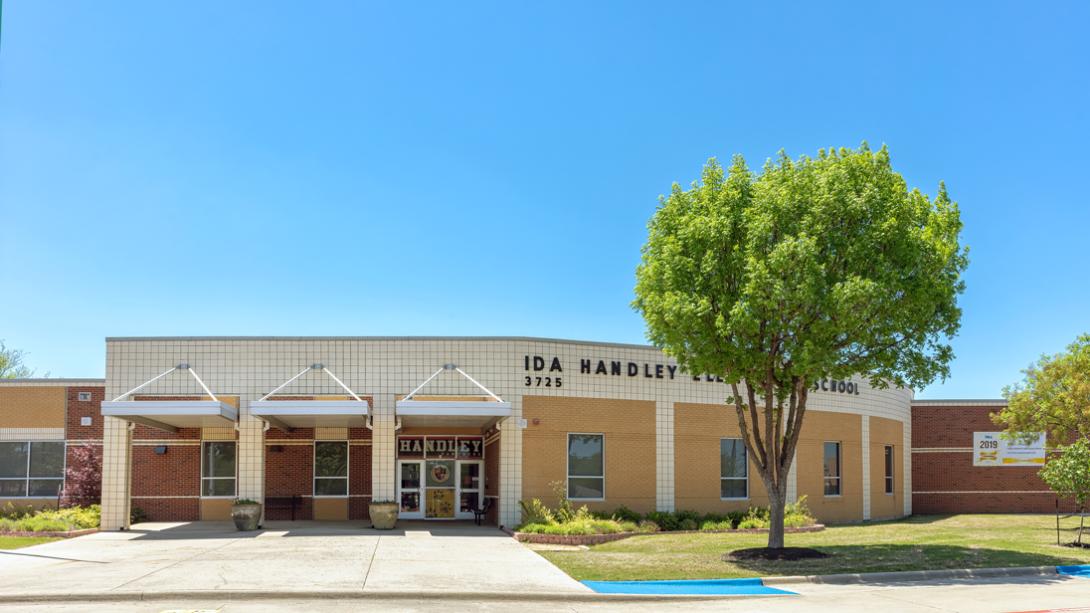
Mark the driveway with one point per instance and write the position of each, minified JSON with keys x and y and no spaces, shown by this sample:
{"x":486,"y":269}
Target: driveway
{"x":418,"y":557}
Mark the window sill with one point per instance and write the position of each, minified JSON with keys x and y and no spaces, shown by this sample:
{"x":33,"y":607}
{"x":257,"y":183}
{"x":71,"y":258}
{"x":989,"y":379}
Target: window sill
{"x":587,"y":499}
{"x":329,"y":496}
{"x":734,"y":499}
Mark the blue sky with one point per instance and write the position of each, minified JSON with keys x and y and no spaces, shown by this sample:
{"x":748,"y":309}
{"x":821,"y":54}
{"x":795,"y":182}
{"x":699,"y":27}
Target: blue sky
{"x":210,"y":168}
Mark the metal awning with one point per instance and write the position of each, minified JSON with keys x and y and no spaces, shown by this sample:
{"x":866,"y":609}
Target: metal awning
{"x":170,"y":415}
{"x":452,"y":412}
{"x":290,"y":414}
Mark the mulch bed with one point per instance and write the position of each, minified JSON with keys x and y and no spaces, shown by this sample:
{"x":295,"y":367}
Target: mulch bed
{"x":764,"y":553}
{"x":597,"y":539}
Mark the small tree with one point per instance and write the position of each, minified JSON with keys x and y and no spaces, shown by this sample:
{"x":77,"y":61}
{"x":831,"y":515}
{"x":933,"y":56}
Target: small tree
{"x":816,"y":268}
{"x":83,"y":477}
{"x":11,"y":364}
{"x":1068,"y":474}
{"x":1053,"y":397}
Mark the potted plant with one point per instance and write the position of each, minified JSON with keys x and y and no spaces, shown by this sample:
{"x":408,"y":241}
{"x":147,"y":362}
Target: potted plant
{"x":383,"y":514}
{"x":246,"y":513}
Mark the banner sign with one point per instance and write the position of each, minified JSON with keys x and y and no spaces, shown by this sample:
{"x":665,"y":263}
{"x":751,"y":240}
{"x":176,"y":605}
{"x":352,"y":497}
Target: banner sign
{"x":993,"y":449}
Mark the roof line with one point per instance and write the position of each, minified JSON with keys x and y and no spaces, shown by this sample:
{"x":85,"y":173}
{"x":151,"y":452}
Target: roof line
{"x":532,"y":339}
{"x":962,"y":401}
{"x":53,"y":380}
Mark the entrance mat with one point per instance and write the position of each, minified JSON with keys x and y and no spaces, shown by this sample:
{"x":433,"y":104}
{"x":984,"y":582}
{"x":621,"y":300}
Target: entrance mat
{"x":1079,"y":570}
{"x":696,"y":587}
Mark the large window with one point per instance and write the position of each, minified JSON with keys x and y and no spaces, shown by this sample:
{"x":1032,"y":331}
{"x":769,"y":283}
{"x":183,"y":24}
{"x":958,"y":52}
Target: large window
{"x":34,"y":469}
{"x":733,"y":469}
{"x":889,"y":469}
{"x":331,"y":468}
{"x":218,"y":469}
{"x":586,"y":467}
{"x":832,"y":469}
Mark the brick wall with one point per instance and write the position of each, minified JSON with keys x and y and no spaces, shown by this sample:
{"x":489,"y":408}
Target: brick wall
{"x":166,"y":486}
{"x":289,"y":471}
{"x":944,"y":479}
{"x":78,"y":409}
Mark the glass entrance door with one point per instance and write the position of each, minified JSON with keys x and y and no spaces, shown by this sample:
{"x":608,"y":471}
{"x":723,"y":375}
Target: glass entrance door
{"x":440,"y":490}
{"x":409,"y":488}
{"x":469,"y":488}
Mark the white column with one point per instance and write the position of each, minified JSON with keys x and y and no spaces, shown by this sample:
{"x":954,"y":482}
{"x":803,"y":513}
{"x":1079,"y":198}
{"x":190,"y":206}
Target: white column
{"x":511,"y":466}
{"x":116,"y":463}
{"x":383,"y":448}
{"x":251,"y":454}
{"x":906,"y":466}
{"x":793,"y":479}
{"x":866,"y":467}
{"x":664,"y":455}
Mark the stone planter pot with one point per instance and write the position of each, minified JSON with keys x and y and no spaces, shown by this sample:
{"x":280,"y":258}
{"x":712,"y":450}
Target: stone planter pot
{"x":383,"y":515}
{"x":246,"y":516}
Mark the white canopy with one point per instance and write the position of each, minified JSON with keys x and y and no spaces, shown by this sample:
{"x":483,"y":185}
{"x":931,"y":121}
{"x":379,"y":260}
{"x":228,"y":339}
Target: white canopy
{"x":452,"y":411}
{"x":170,"y":415}
{"x":290,"y":414}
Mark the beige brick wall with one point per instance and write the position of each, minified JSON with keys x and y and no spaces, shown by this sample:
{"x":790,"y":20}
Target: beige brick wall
{"x":698,"y":429}
{"x":32,"y":407}
{"x":629,"y":429}
{"x":819,"y":427}
{"x":886,"y":432}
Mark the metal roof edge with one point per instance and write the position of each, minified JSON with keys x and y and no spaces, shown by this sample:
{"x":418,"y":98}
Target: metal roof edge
{"x":529,"y":339}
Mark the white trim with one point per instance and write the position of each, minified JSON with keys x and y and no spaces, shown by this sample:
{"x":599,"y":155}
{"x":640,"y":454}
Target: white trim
{"x":155,"y":413}
{"x":744,"y":479}
{"x":986,"y":492}
{"x":891,"y":477}
{"x":203,"y":478}
{"x":307,"y":413}
{"x":839,"y":469}
{"x":469,"y":408}
{"x":567,"y":466}
{"x":347,"y":470}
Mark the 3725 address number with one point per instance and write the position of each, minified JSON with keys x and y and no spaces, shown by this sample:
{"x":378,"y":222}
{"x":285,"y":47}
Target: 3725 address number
{"x":529,"y":381}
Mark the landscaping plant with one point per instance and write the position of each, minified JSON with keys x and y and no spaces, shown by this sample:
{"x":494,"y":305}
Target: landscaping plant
{"x":1068,"y":474}
{"x":813,"y":269}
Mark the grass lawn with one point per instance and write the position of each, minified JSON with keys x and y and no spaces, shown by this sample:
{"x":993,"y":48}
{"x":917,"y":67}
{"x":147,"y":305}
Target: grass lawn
{"x":921,"y":542}
{"x":15,"y":542}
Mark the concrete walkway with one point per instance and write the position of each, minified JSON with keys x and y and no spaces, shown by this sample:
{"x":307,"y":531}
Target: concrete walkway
{"x":304,"y":557}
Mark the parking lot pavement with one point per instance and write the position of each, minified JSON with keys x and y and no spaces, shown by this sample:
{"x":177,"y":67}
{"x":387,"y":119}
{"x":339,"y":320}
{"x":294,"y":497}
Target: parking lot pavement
{"x":283,"y":557}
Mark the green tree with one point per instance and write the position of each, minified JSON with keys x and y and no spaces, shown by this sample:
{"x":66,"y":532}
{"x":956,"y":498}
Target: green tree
{"x":11,"y":364}
{"x":1053,"y":397}
{"x":1068,"y":474}
{"x":820,"y":267}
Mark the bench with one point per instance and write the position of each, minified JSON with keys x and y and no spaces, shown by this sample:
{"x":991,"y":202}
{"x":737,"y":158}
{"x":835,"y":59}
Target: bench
{"x":479,"y":513}
{"x":282,"y":503}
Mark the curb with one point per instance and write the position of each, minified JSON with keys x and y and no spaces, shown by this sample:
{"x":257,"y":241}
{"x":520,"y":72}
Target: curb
{"x":914,"y":575}
{"x":130,"y":596}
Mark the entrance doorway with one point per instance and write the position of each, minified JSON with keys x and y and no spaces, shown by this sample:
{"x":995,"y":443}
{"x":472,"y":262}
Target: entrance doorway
{"x":438,"y":489}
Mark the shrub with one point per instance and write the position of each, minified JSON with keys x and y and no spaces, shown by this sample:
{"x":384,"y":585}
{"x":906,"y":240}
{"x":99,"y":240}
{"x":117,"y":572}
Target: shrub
{"x":83,"y":477}
{"x":687,"y":524}
{"x":712,"y":525}
{"x":564,"y":511}
{"x":751,"y":523}
{"x":53,"y":520}
{"x":629,"y":526}
{"x":648,"y":526}
{"x":624,"y":513}
{"x":736,"y":517}
{"x":691,"y":515}
{"x":664,"y":520}
{"x":137,"y":515}
{"x":535,"y":512}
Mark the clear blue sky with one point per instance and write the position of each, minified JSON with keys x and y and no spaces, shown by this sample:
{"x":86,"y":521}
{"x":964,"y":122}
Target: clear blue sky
{"x":231,"y":168}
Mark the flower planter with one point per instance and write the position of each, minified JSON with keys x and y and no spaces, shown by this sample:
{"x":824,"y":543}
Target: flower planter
{"x":383,"y":515}
{"x":247,"y":516}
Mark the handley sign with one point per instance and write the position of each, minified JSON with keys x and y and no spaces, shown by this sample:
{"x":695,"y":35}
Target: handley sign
{"x":993,"y":449}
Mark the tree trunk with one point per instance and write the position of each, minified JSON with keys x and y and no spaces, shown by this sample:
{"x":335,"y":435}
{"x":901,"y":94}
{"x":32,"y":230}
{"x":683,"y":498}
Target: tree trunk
{"x":1082,"y":519}
{"x":776,"y":504}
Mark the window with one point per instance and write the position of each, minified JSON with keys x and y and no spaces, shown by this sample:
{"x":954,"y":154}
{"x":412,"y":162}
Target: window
{"x":889,"y":469}
{"x":218,"y":469}
{"x":832,"y":469}
{"x":586,"y":467}
{"x":34,"y":469}
{"x":733,"y":469}
{"x":331,"y":469}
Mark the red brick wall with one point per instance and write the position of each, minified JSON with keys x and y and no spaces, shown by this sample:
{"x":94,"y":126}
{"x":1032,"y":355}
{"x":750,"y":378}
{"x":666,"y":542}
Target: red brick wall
{"x":289,"y":472}
{"x":78,"y":410}
{"x":174,"y":474}
{"x":359,"y":480}
{"x":947,"y":482}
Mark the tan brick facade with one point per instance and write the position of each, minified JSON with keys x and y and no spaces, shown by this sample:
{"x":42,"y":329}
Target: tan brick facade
{"x":33,"y":407}
{"x":818,"y":428}
{"x":698,"y":430}
{"x":629,"y":429}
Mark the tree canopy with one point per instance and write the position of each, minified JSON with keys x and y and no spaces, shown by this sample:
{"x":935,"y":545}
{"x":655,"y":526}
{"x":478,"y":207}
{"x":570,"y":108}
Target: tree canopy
{"x":1053,"y":397}
{"x":826,"y":267}
{"x":11,"y":364}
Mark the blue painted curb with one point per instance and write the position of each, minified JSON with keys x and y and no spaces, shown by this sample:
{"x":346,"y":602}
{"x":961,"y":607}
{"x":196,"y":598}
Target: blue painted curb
{"x":1078,"y":570}
{"x":691,"y":587}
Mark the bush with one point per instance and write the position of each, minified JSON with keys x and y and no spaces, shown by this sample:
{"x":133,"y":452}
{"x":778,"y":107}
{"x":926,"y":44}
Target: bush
{"x":751,"y":523}
{"x":716,"y":526}
{"x":626,"y":514}
{"x":53,"y":520}
{"x":797,"y":514}
{"x":137,"y":515}
{"x":83,"y":476}
{"x":687,"y":524}
{"x":648,"y":526}
{"x":664,"y":520}
{"x":535,"y":512}
{"x":688,"y":515}
{"x":736,"y":517}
